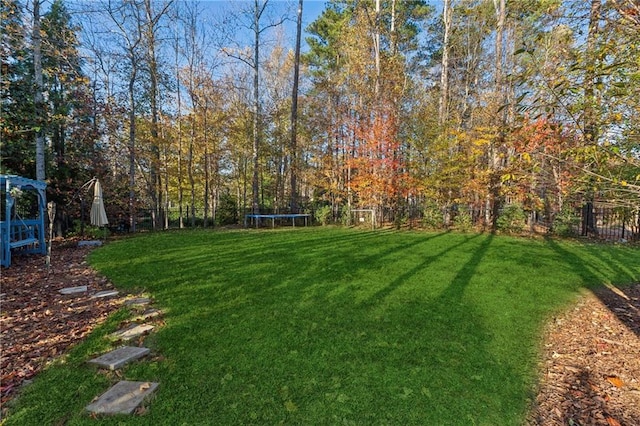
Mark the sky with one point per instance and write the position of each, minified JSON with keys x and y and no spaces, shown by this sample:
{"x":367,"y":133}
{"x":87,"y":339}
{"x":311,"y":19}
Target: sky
{"x":311,"y":10}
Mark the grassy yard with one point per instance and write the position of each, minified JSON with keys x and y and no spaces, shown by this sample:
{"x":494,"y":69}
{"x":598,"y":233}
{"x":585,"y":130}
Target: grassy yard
{"x":327,"y":326}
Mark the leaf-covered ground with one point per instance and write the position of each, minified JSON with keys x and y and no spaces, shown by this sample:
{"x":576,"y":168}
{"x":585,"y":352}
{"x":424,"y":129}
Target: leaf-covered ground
{"x":590,"y":371}
{"x":591,"y":363}
{"x":37,"y":323}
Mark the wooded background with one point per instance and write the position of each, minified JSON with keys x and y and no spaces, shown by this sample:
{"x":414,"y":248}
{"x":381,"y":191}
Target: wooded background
{"x":481,"y":113}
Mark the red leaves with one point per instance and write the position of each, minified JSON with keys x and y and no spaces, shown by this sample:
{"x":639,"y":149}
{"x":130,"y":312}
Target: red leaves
{"x":376,"y":162}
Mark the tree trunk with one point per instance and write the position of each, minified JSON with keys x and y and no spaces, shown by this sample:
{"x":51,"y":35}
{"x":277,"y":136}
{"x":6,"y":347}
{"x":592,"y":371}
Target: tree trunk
{"x":376,"y":46}
{"x":444,"y":77}
{"x":132,"y":147}
{"x":255,"y":188}
{"x":497,"y":145}
{"x":179,"y":130}
{"x":206,"y":185}
{"x":38,"y":95}
{"x":206,"y":162}
{"x":155,"y":178}
{"x":293,"y":205}
{"x":192,"y":182}
{"x":589,"y":121}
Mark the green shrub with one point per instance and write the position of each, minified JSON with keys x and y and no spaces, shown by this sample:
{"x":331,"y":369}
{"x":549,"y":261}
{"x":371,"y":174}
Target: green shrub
{"x":432,"y":216}
{"x":345,"y":216}
{"x":323,"y":215}
{"x":512,"y":219}
{"x":90,"y":231}
{"x":463,"y":221}
{"x":227,"y":213}
{"x":565,"y":223}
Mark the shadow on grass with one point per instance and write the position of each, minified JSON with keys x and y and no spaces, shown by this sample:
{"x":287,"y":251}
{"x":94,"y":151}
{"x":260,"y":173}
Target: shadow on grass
{"x":419,"y":268}
{"x":420,"y":360}
{"x":583,"y":400}
{"x":253,"y":270}
{"x":350,"y":327}
{"x":626,"y":309}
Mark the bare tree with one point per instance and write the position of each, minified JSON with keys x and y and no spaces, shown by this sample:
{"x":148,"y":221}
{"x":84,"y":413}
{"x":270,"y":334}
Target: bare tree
{"x":254,"y":23}
{"x":150,"y":34}
{"x":127,"y":21}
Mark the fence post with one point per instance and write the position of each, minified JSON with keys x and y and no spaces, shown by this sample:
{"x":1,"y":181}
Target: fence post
{"x":588,"y":223}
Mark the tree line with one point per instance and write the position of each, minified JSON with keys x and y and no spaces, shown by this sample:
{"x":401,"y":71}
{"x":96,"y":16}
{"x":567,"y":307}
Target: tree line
{"x":466,"y":110}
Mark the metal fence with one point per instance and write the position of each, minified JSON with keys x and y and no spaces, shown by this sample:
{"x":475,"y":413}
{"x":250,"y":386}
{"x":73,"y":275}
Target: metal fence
{"x":610,"y":223}
{"x":591,"y":220}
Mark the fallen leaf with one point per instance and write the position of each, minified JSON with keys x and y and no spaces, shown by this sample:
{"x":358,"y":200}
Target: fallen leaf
{"x":613,"y":422}
{"x":615,"y":381}
{"x":141,"y":410}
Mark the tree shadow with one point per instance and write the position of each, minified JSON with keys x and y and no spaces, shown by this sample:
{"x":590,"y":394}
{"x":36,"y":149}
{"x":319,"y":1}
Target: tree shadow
{"x":584,"y":401}
{"x":415,"y":357}
{"x":395,"y":284}
{"x":624,"y":303}
{"x":626,"y":308}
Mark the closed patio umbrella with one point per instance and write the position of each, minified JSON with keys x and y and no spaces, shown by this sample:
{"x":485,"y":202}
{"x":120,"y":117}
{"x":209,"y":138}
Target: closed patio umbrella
{"x":98,"y":215}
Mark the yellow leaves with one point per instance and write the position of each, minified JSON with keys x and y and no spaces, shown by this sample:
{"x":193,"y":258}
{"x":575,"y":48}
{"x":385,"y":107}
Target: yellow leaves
{"x":526,"y":157}
{"x":481,"y":142}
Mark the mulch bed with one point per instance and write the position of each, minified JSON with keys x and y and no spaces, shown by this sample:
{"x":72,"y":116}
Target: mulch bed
{"x":590,"y":370}
{"x":37,"y":323}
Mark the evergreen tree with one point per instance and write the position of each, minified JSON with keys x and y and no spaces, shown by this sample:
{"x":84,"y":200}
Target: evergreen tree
{"x":16,"y":116}
{"x":71,"y":126}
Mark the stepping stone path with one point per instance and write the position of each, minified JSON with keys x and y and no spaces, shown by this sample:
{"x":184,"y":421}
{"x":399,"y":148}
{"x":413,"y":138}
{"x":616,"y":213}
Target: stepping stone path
{"x":125,"y":396}
{"x":119,"y":357}
{"x":105,"y":293}
{"x":150,"y":313}
{"x":73,"y":290}
{"x":89,"y":243}
{"x":131,"y":332}
{"x":138,"y":301}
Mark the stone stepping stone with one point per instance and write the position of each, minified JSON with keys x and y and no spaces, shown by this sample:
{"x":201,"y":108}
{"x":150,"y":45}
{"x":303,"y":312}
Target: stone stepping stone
{"x":73,"y":290}
{"x":150,"y":313}
{"x":105,"y":293}
{"x":122,"y":398}
{"x":131,"y":332}
{"x":119,"y":357}
{"x":89,"y":243}
{"x":138,"y":301}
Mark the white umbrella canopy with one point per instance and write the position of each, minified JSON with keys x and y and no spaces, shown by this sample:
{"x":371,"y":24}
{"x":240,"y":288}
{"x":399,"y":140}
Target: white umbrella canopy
{"x":98,"y":215}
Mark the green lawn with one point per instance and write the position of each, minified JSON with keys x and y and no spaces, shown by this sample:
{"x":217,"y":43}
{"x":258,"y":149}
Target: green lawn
{"x":328,"y":326}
